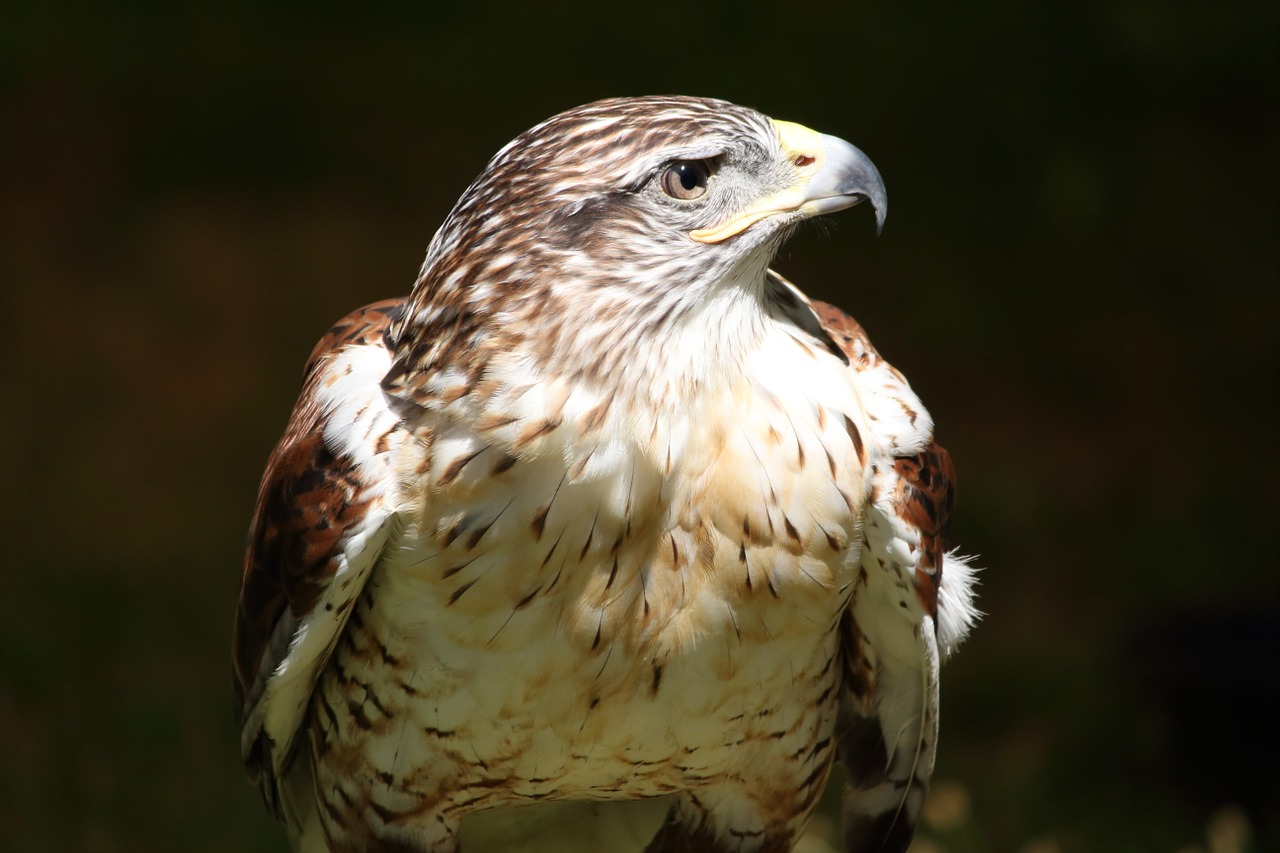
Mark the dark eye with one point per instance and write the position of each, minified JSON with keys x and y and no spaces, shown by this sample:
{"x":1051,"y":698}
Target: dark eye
{"x":685,"y":179}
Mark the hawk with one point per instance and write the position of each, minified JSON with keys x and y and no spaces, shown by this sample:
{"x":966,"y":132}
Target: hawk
{"x":606,"y":534}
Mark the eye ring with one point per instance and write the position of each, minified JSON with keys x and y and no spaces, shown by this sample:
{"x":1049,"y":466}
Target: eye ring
{"x":685,"y":179}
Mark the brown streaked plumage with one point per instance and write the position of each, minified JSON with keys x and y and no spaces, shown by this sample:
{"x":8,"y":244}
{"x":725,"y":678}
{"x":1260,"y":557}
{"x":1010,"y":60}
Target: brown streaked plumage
{"x":606,"y":536}
{"x":308,"y":500}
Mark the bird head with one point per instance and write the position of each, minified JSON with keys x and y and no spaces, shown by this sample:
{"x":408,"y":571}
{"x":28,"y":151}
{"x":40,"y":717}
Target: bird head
{"x":632,"y":210}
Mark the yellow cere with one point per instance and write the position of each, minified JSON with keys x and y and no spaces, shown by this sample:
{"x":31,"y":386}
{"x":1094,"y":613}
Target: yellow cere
{"x":803,"y":147}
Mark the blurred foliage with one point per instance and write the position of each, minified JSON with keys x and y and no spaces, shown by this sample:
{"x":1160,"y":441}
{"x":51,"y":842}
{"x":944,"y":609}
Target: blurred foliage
{"x":1079,"y":275}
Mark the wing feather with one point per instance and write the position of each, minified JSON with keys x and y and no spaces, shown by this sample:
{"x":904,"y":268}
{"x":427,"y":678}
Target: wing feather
{"x":323,"y":517}
{"x":889,"y":709}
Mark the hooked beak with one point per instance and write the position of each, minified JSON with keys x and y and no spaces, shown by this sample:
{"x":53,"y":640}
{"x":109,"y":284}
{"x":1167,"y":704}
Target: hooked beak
{"x":831,"y":175}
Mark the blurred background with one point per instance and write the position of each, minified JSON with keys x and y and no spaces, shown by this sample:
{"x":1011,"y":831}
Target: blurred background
{"x":1079,"y":275}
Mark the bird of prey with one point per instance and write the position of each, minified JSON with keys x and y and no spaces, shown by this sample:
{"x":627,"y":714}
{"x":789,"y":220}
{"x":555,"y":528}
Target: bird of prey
{"x":606,"y":534}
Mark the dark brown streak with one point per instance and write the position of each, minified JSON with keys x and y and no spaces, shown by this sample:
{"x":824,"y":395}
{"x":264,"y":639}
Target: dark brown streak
{"x":356,"y":712}
{"x":856,"y":437}
{"x":533,"y":433}
{"x":458,"y":593}
{"x":555,"y":580}
{"x":540,"y":517}
{"x":479,"y":532}
{"x":800,"y":457}
{"x":791,"y":530}
{"x":503,"y":465}
{"x":453,"y":570}
{"x":586,"y":546}
{"x":501,"y":627}
{"x":539,"y":522}
{"x":551,"y":552}
{"x":454,"y":531}
{"x":631,"y":484}
{"x":455,"y":467}
{"x":581,"y":465}
{"x":764,"y":469}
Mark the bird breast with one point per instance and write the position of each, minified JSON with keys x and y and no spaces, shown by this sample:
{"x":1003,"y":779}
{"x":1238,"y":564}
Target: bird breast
{"x":570,"y":568}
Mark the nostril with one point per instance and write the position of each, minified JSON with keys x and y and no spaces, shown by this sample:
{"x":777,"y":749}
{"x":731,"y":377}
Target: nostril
{"x":803,"y":160}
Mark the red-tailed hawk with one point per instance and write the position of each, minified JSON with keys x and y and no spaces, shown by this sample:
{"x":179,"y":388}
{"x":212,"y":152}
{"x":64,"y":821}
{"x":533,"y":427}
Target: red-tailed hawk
{"x":606,"y":528}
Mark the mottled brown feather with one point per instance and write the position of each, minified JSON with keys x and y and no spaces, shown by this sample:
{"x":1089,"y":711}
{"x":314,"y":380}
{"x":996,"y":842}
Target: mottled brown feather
{"x":926,"y":481}
{"x":307,"y":501}
{"x":926,"y":493}
{"x":923,"y":490}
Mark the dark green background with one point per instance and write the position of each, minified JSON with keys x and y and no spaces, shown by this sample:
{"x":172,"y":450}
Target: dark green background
{"x":1079,"y":274}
